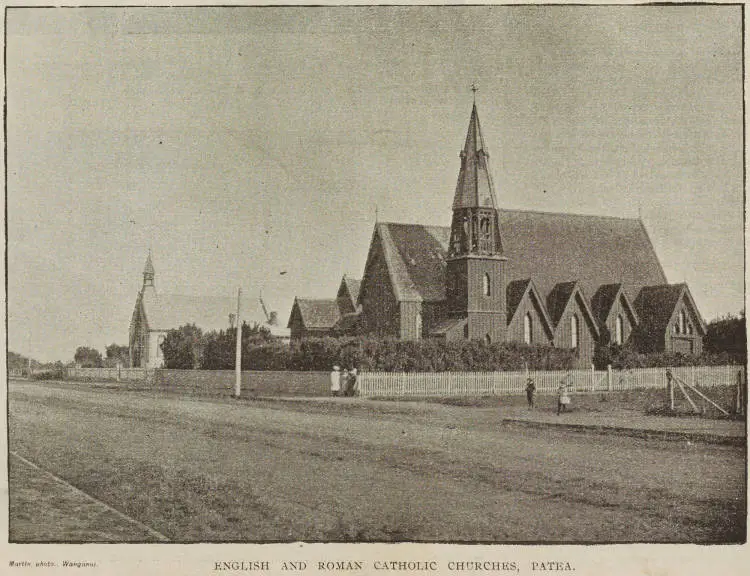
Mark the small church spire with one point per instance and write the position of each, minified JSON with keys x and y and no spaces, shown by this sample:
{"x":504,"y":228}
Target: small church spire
{"x":148,"y":271}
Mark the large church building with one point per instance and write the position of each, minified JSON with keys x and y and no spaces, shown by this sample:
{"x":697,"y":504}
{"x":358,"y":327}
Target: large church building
{"x":496,"y":275}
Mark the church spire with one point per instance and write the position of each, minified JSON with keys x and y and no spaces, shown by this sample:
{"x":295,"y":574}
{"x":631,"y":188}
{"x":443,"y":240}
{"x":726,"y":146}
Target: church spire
{"x":474,"y":188}
{"x":148,"y":272}
{"x":475,"y":227}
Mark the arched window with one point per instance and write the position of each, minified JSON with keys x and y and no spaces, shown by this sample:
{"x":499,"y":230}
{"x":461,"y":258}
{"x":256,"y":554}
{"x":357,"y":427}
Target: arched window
{"x":618,"y":330}
{"x":682,"y":322}
{"x":487,"y":340}
{"x":466,"y":331}
{"x":486,"y":284}
{"x":418,"y":326}
{"x":527,"y":329}
{"x":574,"y":331}
{"x":690,"y":328}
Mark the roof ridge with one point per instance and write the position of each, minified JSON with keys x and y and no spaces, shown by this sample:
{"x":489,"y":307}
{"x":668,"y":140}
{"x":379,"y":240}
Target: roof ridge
{"x":573,"y":214}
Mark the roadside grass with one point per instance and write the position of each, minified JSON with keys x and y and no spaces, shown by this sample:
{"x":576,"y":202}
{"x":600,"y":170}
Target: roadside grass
{"x":648,"y":401}
{"x":43,"y":510}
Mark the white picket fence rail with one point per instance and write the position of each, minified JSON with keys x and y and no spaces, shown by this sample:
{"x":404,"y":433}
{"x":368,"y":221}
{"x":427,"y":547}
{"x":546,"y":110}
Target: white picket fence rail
{"x":402,"y":384}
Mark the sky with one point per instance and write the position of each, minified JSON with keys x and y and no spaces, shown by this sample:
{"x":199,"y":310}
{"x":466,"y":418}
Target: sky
{"x":252,"y":146}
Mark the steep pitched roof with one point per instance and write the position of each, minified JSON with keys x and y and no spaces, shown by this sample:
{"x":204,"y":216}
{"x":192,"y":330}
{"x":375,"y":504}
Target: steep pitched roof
{"x":415,"y":257}
{"x":548,"y":248}
{"x":474,"y":187}
{"x":562,"y":296}
{"x":605,"y":298}
{"x":352,"y":288}
{"x":516,"y":291}
{"x":558,"y":298}
{"x":657,"y":304}
{"x":169,"y":311}
{"x":318,"y":314}
{"x":593,"y":250}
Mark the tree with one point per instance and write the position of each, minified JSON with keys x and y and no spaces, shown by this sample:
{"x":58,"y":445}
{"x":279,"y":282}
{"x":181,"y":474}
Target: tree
{"x":87,"y":357}
{"x":727,"y":334}
{"x":183,"y":348}
{"x":115,"y":353}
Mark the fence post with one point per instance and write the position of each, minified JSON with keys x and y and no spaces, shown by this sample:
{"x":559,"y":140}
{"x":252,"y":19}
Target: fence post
{"x":593,"y":378}
{"x":609,"y":377}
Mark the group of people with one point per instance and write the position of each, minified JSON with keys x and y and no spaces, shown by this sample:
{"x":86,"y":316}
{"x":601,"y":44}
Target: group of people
{"x":343,"y":382}
{"x":563,"y":394}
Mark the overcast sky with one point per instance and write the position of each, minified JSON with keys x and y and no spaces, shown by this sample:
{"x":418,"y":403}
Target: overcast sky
{"x":241,"y":143}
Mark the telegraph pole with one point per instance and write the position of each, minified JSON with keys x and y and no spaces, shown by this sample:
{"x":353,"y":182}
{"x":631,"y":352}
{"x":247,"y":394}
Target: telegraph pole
{"x":238,"y":353}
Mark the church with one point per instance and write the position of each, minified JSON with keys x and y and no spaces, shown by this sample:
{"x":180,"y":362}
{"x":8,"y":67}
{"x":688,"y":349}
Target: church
{"x":155,"y":314}
{"x":496,"y":275}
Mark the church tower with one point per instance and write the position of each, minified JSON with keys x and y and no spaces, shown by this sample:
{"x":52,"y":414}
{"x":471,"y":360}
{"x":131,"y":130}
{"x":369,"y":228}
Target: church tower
{"x":475,"y":274}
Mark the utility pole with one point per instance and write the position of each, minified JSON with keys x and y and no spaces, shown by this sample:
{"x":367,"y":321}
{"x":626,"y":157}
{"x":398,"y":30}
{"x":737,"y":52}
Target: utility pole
{"x":238,"y":353}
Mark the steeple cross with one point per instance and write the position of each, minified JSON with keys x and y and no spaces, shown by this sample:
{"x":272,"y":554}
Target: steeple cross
{"x":474,"y":89}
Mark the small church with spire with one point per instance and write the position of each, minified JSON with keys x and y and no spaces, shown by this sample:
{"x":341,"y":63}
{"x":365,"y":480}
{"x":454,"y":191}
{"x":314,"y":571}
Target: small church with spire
{"x":497,"y":275}
{"x":155,"y":314}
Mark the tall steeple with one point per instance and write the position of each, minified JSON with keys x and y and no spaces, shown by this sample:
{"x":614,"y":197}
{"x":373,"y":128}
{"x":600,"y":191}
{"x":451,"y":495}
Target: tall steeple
{"x":148,"y":272}
{"x":475,"y":274}
{"x":475,"y":227}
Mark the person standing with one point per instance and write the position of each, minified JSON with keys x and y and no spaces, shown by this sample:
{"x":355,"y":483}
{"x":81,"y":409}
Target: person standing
{"x":530,"y":391}
{"x":563,"y":399}
{"x":335,"y":381}
{"x":353,"y":382}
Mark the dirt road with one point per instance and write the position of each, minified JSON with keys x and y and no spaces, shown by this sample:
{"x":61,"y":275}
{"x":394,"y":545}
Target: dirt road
{"x":218,"y":470}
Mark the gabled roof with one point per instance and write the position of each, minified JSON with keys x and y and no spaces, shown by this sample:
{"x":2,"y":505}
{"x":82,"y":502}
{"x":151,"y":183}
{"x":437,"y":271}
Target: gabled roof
{"x":474,"y":187}
{"x":170,"y":311}
{"x":604,"y":300}
{"x":548,"y":248}
{"x":562,"y":296}
{"x":351,"y":288}
{"x":514,"y":295}
{"x":415,"y":258}
{"x":317,"y":314}
{"x":594,"y":250}
{"x":656,"y":306}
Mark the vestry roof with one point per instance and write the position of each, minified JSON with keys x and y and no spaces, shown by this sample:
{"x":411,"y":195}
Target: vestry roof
{"x":318,"y":314}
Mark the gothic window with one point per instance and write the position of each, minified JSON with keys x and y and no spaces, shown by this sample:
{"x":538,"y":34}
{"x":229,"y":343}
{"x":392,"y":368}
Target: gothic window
{"x":488,"y":339}
{"x":474,"y":233}
{"x":690,"y":329}
{"x":418,"y":321}
{"x":527,"y":328}
{"x":486,"y":288}
{"x":676,"y":327}
{"x":466,"y":331}
{"x":486,"y":237}
{"x":574,"y":331}
{"x":618,"y":330}
{"x":466,"y":233}
{"x":682,"y":323}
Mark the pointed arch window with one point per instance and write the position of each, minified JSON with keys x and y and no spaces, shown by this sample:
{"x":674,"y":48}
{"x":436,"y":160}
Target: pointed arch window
{"x":527,"y":328}
{"x":486,"y":288}
{"x":466,"y":331}
{"x":418,"y":325}
{"x":682,"y":329}
{"x":618,"y":330}
{"x":488,"y":339}
{"x":574,"y":331}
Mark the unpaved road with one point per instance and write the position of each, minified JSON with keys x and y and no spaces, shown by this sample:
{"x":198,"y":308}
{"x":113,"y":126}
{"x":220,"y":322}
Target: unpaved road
{"x":218,"y":470}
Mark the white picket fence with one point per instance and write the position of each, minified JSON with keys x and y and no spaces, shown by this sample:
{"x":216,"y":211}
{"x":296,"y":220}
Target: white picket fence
{"x":402,"y":384}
